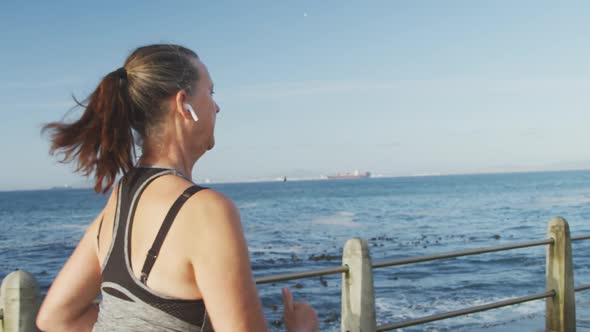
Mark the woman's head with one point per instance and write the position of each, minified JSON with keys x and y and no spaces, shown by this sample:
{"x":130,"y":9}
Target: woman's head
{"x":144,"y":96}
{"x":154,"y":73}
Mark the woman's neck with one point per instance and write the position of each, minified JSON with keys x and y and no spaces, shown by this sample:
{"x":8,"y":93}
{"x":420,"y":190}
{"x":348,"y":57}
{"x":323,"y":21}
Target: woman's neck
{"x":170,"y":152}
{"x":180,"y":164}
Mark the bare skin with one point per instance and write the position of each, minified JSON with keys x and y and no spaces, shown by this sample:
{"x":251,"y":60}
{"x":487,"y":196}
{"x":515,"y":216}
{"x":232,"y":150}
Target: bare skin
{"x":204,"y":256}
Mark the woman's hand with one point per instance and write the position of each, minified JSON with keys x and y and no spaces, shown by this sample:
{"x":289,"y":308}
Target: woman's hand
{"x":299,"y":316}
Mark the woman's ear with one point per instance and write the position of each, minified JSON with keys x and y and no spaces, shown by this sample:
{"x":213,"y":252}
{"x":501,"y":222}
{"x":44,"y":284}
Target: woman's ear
{"x":180,"y":100}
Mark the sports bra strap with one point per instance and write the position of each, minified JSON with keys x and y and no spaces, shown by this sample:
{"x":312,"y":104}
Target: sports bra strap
{"x":152,"y":254}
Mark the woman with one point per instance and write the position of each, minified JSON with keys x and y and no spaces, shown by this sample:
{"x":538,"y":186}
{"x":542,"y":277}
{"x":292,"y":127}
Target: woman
{"x":165,"y":254}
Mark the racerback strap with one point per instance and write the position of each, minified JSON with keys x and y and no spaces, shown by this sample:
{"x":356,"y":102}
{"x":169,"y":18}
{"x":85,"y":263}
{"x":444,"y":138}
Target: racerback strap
{"x":152,"y":254}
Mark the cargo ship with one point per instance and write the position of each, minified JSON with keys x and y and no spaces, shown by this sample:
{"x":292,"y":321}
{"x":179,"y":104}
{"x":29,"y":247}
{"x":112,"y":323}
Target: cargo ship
{"x":350,"y":175}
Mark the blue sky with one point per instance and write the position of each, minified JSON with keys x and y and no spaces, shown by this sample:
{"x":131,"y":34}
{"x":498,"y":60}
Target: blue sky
{"x":309,"y":88}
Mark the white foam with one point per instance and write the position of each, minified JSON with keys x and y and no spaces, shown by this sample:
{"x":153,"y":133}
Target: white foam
{"x":341,"y":218}
{"x":565,"y":201}
{"x":247,"y":205}
{"x":401,"y":308}
{"x":282,"y":250}
{"x":76,"y":227}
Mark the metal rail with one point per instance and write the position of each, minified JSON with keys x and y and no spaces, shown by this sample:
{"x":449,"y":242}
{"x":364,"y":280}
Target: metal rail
{"x":450,"y":314}
{"x":581,"y":237}
{"x":300,"y":275}
{"x":344,"y":269}
{"x":466,"y":311}
{"x":461,"y":253}
{"x":581,"y":288}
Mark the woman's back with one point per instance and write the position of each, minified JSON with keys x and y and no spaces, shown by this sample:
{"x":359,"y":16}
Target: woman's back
{"x":147,"y":205}
{"x":172,"y":273}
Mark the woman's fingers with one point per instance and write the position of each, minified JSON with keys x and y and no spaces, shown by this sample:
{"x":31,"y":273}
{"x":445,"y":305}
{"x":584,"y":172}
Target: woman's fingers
{"x":299,"y":316}
{"x":288,"y":300}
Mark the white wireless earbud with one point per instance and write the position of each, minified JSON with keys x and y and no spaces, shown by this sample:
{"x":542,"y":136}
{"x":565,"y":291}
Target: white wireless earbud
{"x":190,"y":109}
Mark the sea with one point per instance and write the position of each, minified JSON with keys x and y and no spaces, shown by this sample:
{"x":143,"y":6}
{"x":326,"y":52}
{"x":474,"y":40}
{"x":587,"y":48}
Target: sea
{"x":298,"y":226}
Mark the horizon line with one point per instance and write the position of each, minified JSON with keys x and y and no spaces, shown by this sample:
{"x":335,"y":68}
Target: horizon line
{"x":323,"y":178}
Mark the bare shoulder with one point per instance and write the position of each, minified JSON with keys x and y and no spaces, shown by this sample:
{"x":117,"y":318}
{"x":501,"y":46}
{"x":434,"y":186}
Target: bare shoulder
{"x":111,"y":204}
{"x":209,"y":203}
{"x":209,"y":216}
{"x":109,"y":207}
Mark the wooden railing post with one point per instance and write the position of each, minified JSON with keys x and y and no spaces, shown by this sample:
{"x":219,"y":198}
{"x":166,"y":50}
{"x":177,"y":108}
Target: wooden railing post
{"x":20,"y":301}
{"x":1,"y":311}
{"x":358,"y":300}
{"x":560,"y":313}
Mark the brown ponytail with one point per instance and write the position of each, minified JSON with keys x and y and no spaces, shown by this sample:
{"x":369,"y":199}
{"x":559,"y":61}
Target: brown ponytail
{"x":101,"y":140}
{"x":127,"y":100}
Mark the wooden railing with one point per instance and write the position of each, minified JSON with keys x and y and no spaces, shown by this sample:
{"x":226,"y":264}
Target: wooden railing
{"x":20,"y":297}
{"x":358,"y":301}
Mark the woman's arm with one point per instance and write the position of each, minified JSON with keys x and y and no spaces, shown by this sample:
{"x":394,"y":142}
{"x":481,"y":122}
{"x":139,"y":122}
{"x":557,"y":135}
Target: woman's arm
{"x":69,"y":305}
{"x":219,"y":255}
{"x":221,"y":264}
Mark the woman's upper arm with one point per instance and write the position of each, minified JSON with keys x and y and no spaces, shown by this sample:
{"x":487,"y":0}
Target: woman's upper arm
{"x":76,"y":285}
{"x":78,"y":282}
{"x":219,"y":255}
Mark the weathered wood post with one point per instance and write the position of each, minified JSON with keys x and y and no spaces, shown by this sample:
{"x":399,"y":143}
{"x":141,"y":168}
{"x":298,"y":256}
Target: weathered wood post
{"x":358,"y":299}
{"x":21,"y":299}
{"x":1,"y":311}
{"x":560,"y":313}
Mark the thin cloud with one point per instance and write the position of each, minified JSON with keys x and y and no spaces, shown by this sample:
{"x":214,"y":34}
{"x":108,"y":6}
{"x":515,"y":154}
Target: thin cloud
{"x":38,"y":106}
{"x":39,"y":84}
{"x":280,"y":90}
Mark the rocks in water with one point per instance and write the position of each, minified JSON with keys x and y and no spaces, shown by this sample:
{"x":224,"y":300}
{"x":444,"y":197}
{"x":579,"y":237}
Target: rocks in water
{"x":273,"y":307}
{"x":382,"y":238}
{"x":324,"y":257}
{"x":496,"y":236}
{"x":297,"y":259}
{"x":332,"y":317}
{"x":298,"y":285}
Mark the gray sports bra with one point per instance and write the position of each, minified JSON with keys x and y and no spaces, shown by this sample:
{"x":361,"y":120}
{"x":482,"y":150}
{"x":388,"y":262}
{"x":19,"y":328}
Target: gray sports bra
{"x":127,"y":303}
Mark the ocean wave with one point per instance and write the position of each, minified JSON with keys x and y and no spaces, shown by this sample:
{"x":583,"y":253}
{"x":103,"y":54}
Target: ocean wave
{"x":564,"y":201}
{"x":247,"y":205}
{"x":275,"y":250}
{"x":341,"y":218}
{"x":401,"y":308}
